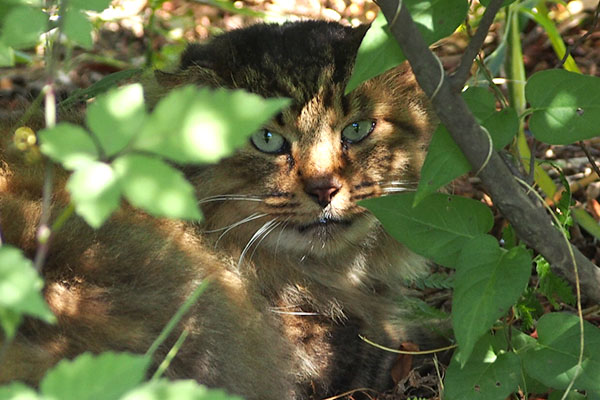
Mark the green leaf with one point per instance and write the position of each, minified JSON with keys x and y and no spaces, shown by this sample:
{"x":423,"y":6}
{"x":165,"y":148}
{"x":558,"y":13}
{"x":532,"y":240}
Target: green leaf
{"x":488,"y":281}
{"x":445,"y":161}
{"x":489,"y":374}
{"x":115,"y":117}
{"x":153,"y":185}
{"x":504,"y":3}
{"x":95,"y":192}
{"x":437,"y":228}
{"x":553,"y":361}
{"x":88,"y":377}
{"x":7,"y":55}
{"x":379,"y":51}
{"x":21,"y":287}
{"x":18,"y":391}
{"x":92,"y":5}
{"x":566,"y":106}
{"x":501,"y":124}
{"x":68,"y":144}
{"x":23,"y":26}
{"x":78,"y":28}
{"x":178,"y":390}
{"x":202,"y":125}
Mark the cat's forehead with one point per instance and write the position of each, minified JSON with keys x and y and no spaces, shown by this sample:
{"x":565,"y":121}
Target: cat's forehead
{"x":292,"y":60}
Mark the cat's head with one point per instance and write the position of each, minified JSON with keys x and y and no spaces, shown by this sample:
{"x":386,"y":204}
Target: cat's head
{"x":294,"y":187}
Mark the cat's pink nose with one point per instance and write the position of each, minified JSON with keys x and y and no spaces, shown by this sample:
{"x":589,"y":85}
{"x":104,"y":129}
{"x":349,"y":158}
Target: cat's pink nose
{"x":322,"y":190}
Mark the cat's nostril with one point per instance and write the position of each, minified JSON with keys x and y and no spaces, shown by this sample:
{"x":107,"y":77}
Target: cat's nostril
{"x":322,"y":190}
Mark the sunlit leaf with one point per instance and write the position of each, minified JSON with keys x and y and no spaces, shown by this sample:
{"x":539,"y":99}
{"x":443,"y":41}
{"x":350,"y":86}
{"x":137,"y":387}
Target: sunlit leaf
{"x":23,"y":26}
{"x":68,"y":144}
{"x":92,"y":5}
{"x":153,"y":185}
{"x":88,"y":377}
{"x":116,"y":117}
{"x":95,"y":192}
{"x":78,"y":28}
{"x":379,"y":51}
{"x":7,"y":55}
{"x":178,"y":390}
{"x":204,"y":125}
{"x":18,"y":391}
{"x":21,"y":287}
{"x":489,"y":374}
{"x":488,"y":281}
{"x":438,"y":227}
{"x":553,"y":361}
{"x":566,"y":106}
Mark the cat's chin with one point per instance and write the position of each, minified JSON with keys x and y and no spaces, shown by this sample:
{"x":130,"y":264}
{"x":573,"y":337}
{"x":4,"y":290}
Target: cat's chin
{"x":324,"y":236}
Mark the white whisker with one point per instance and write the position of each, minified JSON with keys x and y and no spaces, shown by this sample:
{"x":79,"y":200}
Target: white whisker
{"x":267,"y":232}
{"x":227,"y":197}
{"x":226,"y":229}
{"x":254,"y":238}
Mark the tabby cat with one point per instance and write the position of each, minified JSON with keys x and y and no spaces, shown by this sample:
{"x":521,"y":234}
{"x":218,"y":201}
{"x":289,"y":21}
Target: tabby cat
{"x":297,"y":269}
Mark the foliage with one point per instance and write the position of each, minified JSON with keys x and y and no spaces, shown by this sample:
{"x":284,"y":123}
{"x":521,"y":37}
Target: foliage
{"x":495,"y":359}
{"x":127,"y":152}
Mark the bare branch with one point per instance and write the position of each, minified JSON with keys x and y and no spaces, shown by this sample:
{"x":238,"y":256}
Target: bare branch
{"x":531,"y":222}
{"x":461,"y":75}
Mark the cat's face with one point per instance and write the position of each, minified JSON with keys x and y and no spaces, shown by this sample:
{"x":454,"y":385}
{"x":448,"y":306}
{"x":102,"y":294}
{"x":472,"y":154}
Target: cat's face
{"x":295,"y":186}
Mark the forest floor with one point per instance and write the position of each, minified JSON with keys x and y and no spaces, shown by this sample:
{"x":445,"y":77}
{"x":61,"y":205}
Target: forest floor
{"x":133,"y":35}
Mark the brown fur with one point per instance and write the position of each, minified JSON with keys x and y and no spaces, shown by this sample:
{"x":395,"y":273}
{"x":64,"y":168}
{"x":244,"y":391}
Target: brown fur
{"x":284,"y":307}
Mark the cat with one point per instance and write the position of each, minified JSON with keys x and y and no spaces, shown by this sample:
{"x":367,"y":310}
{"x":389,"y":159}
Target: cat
{"x":296,"y":269}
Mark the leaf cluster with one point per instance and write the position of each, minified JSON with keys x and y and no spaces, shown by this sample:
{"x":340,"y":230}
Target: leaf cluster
{"x":494,"y":357}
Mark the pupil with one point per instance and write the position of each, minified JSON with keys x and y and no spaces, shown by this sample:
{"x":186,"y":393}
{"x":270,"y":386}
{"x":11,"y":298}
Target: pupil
{"x":268,"y":136}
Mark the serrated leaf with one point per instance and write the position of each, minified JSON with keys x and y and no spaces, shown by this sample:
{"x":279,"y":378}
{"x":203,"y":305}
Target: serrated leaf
{"x":153,"y":185}
{"x":116,"y":117}
{"x":21,"y":287}
{"x":202,"y":125}
{"x":178,"y":390}
{"x":445,"y":161}
{"x":379,"y":51}
{"x":95,"y":192}
{"x":23,"y":26}
{"x":78,"y":28}
{"x":553,"y":361}
{"x":18,"y":391}
{"x":489,"y":374}
{"x":92,"y":5}
{"x":68,"y":144}
{"x":437,"y":228}
{"x":488,"y":281}
{"x":88,"y":377}
{"x":566,"y":106}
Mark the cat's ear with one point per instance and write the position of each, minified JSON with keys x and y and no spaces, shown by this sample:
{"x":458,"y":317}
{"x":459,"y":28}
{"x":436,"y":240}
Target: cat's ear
{"x":360,"y":31}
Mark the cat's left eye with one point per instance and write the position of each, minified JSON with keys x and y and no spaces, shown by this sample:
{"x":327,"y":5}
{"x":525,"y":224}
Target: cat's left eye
{"x":268,"y":142}
{"x":357,"y":131}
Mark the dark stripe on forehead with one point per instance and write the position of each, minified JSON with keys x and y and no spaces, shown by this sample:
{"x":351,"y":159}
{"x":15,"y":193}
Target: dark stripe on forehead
{"x":404,"y":126}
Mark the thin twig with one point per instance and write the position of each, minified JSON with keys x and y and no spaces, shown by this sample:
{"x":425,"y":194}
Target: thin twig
{"x":458,"y":79}
{"x":579,"y":41}
{"x":589,"y":156}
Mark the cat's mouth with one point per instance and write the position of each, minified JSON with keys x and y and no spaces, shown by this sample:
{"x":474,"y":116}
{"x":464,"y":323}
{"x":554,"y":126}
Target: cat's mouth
{"x":324,"y":223}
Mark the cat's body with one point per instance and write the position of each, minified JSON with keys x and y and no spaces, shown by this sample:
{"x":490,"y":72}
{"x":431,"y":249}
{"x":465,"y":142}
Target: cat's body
{"x":297,"y":270}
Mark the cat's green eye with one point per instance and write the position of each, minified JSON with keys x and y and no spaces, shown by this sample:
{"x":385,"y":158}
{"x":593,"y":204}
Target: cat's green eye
{"x":267,"y":141}
{"x":357,"y":131}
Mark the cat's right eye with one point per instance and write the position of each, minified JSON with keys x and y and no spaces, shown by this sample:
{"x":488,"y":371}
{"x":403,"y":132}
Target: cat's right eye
{"x":268,"y":142}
